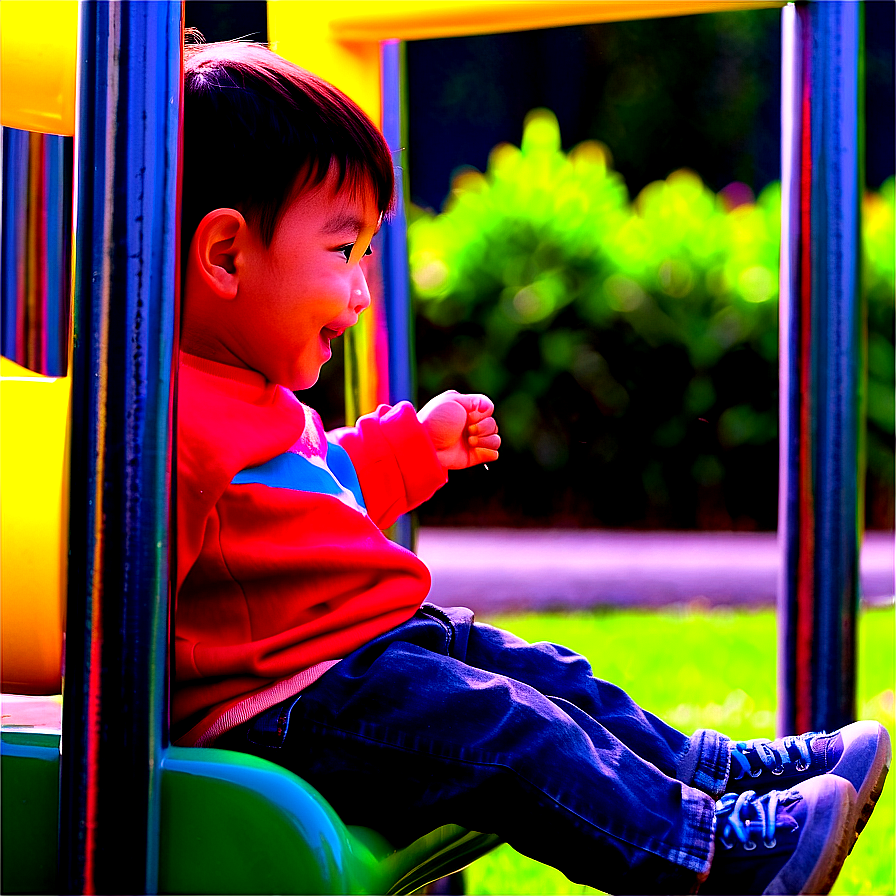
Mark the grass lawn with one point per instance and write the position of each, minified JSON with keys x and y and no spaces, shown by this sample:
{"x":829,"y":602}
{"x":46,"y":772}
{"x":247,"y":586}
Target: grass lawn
{"x":707,"y":668}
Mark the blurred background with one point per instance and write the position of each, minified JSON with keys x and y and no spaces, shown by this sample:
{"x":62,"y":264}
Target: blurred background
{"x":613,"y":286}
{"x":594,"y":244}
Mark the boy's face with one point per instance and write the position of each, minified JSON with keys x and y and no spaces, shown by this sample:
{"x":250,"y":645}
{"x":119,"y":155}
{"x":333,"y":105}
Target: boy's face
{"x":307,"y":287}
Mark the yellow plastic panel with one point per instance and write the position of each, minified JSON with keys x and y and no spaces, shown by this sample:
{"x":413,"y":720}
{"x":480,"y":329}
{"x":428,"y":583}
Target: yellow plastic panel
{"x":300,"y":30}
{"x":38,"y":52}
{"x":34,"y":413}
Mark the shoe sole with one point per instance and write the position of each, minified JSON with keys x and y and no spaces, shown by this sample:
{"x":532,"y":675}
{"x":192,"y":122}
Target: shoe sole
{"x":871,"y":786}
{"x":830,"y":822}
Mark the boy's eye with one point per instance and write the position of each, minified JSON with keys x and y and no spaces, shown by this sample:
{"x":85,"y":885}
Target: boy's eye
{"x":347,"y":251}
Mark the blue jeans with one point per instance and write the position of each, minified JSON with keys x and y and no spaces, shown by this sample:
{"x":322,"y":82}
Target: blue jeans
{"x":446,"y":720}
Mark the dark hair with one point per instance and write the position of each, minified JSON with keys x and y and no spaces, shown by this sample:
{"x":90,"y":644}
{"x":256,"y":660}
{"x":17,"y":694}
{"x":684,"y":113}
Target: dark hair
{"x":258,"y":129}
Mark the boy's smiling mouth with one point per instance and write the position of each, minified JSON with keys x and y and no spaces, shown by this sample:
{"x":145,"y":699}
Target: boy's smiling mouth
{"x":333,"y":332}
{"x":337,"y":328}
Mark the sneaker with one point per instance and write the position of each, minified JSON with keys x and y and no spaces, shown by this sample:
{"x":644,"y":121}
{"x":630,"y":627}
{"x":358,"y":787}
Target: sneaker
{"x":860,"y":753}
{"x":791,"y":841}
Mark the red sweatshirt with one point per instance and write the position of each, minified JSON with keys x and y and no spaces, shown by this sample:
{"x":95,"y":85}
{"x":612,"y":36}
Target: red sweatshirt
{"x":281,"y":565}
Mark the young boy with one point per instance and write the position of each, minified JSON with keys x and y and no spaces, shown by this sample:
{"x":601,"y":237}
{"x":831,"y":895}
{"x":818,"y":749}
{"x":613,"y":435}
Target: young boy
{"x":301,"y":632}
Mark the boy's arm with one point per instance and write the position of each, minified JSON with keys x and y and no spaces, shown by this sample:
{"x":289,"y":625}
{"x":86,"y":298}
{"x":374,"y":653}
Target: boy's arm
{"x":396,"y":463}
{"x":402,"y":458}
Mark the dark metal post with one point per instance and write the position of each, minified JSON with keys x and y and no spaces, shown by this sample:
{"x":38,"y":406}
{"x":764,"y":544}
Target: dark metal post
{"x":396,"y":285}
{"x":821,"y":369}
{"x":114,"y":708}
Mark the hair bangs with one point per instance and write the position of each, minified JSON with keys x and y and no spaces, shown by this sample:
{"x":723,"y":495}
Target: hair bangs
{"x":259,"y":130}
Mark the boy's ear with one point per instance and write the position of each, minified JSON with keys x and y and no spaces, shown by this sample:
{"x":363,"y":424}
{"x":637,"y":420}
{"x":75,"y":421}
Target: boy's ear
{"x":215,"y":247}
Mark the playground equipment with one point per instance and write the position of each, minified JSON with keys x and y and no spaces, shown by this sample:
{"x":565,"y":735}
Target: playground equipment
{"x":133,"y":813}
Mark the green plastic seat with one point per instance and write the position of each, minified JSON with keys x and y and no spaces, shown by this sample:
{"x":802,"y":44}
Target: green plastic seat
{"x":230,"y":823}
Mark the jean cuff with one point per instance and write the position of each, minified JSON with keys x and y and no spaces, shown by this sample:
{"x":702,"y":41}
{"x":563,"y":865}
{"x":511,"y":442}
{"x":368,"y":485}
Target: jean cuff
{"x":699,"y":833}
{"x":706,"y":762}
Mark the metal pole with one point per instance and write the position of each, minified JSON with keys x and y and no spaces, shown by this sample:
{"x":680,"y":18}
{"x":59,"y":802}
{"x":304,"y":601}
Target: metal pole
{"x":820,"y":350}
{"x":394,"y":235}
{"x":114,"y":708}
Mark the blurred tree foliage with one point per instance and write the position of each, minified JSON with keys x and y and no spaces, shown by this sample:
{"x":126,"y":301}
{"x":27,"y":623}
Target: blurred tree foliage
{"x":630,"y":346}
{"x":696,"y":90}
{"x":878,"y":273}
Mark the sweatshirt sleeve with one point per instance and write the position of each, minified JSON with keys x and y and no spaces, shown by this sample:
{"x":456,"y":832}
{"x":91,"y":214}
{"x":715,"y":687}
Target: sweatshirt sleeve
{"x":395,"y":461}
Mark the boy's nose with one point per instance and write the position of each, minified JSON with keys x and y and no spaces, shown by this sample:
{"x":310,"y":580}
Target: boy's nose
{"x":360,"y":293}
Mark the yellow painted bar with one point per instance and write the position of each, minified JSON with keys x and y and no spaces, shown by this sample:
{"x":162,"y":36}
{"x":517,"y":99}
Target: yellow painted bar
{"x":363,"y":20}
{"x":38,"y":54}
{"x":34,"y":413}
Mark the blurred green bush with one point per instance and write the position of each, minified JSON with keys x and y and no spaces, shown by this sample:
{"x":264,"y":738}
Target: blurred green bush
{"x":630,"y":346}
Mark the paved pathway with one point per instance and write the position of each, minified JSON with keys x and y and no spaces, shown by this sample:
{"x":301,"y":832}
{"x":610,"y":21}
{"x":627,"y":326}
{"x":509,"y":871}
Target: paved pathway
{"x":510,"y":569}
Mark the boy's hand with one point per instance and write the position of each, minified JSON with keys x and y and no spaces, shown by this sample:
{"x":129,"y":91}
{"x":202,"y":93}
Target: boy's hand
{"x":461,"y":428}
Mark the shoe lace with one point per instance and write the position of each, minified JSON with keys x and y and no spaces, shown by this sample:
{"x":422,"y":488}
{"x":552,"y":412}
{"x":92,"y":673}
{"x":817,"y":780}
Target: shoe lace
{"x":732,"y":809}
{"x":772,"y":755}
